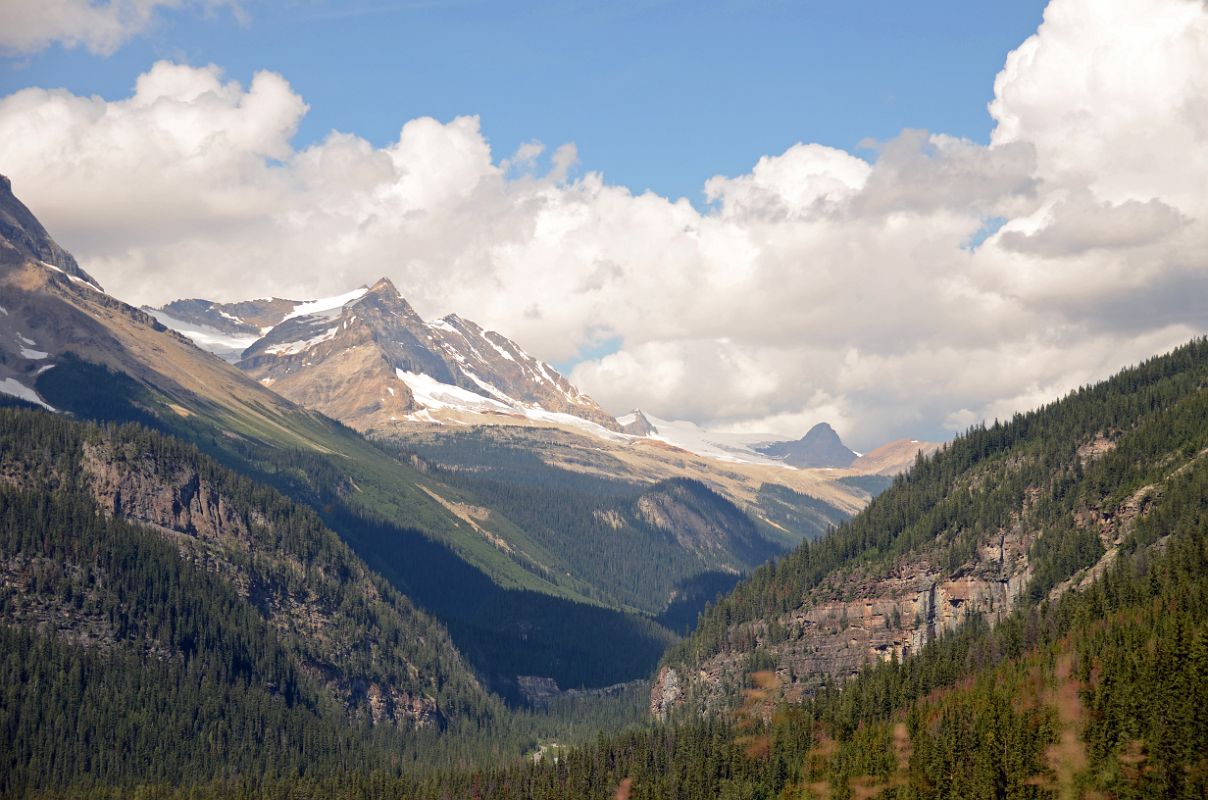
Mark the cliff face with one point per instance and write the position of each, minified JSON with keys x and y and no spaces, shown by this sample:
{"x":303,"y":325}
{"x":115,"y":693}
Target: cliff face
{"x":856,"y":617}
{"x":1005,"y":516}
{"x":228,"y":538}
{"x":362,"y":643}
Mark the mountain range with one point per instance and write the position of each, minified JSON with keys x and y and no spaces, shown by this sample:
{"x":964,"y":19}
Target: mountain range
{"x":367,"y":359}
{"x":599,"y":530}
{"x":209,"y":589}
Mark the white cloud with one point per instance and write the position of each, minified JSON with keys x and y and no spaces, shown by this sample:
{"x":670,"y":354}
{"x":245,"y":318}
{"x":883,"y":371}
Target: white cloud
{"x":817,"y":286}
{"x":101,"y":27}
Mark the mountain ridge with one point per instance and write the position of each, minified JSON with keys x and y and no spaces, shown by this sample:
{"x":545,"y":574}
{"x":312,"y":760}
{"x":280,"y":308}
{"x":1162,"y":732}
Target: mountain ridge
{"x":366,"y":361}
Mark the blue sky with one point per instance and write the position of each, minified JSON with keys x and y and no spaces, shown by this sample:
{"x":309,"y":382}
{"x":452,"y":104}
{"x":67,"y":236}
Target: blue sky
{"x":658,"y":95}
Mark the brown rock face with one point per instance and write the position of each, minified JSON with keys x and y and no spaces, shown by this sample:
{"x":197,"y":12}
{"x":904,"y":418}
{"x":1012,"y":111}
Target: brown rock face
{"x":893,"y":457}
{"x":637,"y":424}
{"x":345,"y":363}
{"x":180,"y":501}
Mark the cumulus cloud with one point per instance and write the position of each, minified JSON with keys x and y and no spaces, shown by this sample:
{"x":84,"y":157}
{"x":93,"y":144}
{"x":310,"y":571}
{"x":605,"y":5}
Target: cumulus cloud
{"x":817,"y":286}
{"x":101,"y":27}
{"x":1080,"y":224}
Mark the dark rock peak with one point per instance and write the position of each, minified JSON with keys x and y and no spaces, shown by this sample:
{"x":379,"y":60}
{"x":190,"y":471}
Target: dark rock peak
{"x":820,"y":447}
{"x":822,"y":432}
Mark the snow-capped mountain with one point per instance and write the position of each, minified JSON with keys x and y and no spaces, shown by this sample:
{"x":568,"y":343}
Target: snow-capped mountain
{"x":368,"y":359}
{"x":227,"y":329}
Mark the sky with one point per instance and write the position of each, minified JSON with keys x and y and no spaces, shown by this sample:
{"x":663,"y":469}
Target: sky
{"x":898,"y":218}
{"x":655,"y":94}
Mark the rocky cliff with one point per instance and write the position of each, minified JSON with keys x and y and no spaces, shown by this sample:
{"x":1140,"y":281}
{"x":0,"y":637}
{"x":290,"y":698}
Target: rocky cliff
{"x":1013,"y":514}
{"x":373,"y":653}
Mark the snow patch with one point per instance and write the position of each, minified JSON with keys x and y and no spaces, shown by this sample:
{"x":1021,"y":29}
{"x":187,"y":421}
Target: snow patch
{"x":80,"y":281}
{"x":14,"y":388}
{"x":326,"y":303}
{"x":432,"y":394}
{"x":538,"y":414}
{"x":293,"y":348}
{"x":498,"y":349}
{"x":33,"y":355}
{"x":489,"y":389}
{"x":733,"y":447}
{"x":226,"y":346}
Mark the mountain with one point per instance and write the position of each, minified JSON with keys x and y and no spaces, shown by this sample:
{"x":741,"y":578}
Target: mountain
{"x":892,"y":458}
{"x":524,"y":592}
{"x":224,"y":329}
{"x":635,"y":423}
{"x":284,"y":566}
{"x":1007,"y":516}
{"x":23,"y":238}
{"x":67,"y":345}
{"x":1092,"y":683}
{"x":369,"y":360}
{"x":176,"y":589}
{"x":820,"y":447}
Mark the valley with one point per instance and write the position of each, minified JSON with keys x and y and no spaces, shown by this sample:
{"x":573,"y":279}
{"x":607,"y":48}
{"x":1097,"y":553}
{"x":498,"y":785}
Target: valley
{"x":278,"y":522}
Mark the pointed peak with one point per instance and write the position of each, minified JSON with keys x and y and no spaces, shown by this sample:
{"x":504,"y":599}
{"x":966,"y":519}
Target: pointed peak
{"x":384,"y":286}
{"x":636,"y":423}
{"x":820,"y":429}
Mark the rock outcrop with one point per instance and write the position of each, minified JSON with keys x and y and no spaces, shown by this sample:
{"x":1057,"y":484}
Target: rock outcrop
{"x":857,"y":617}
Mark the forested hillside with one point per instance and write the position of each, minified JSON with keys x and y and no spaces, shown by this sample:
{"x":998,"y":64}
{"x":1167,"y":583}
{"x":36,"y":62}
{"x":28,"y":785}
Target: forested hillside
{"x":1017,"y":511}
{"x":1094,"y":684}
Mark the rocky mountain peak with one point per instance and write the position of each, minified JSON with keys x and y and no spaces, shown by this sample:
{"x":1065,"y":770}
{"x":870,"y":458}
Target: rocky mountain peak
{"x":820,"y":447}
{"x":384,"y":286}
{"x":636,"y":423}
{"x":369,"y":359}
